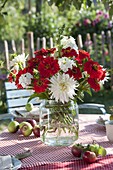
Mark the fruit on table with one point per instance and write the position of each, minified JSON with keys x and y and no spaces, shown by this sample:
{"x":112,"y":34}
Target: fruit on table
{"x":32,"y":122}
{"x":111,"y":117}
{"x":88,"y":152}
{"x":26,"y":128}
{"x":89,"y":156}
{"x":29,"y":107}
{"x":36,"y":131}
{"x":94,"y":148}
{"x":21,"y":124}
{"x":77,"y":150}
{"x":13,"y":126}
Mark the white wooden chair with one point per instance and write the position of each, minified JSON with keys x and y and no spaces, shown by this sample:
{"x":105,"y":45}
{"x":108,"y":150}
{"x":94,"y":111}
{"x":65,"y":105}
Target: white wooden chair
{"x":95,"y":106}
{"x":17,"y":98}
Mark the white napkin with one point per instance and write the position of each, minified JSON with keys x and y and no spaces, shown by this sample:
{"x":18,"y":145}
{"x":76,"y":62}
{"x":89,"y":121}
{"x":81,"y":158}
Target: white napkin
{"x":6,"y":162}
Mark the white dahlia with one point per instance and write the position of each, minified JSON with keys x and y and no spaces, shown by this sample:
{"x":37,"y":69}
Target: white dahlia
{"x":63,"y":87}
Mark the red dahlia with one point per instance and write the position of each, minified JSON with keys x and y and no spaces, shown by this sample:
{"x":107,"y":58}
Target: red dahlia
{"x":33,"y":62}
{"x":93,"y":69}
{"x":68,"y":52}
{"x":75,"y":72}
{"x":48,"y":67}
{"x":44,"y":52}
{"x":40,"y":85}
{"x":94,"y":84}
{"x":82,"y":56}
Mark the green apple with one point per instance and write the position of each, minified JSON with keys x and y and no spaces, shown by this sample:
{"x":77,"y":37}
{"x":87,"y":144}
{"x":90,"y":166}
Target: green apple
{"x":94,"y":148}
{"x":13,"y":126}
{"x":29,"y":107}
{"x":21,"y":124}
{"x":26,"y":128}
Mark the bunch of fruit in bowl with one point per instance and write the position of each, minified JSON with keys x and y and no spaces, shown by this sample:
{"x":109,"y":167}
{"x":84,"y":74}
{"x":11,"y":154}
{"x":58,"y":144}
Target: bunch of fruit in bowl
{"x":26,"y":128}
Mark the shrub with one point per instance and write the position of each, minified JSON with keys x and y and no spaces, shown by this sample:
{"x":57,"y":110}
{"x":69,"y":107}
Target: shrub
{"x":93,"y":20}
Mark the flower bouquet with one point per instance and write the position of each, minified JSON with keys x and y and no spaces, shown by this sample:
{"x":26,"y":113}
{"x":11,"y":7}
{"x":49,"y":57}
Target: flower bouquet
{"x":59,"y":76}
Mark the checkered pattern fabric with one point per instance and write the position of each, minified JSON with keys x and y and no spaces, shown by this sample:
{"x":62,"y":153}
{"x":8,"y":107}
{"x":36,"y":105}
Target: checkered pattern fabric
{"x":58,"y":158}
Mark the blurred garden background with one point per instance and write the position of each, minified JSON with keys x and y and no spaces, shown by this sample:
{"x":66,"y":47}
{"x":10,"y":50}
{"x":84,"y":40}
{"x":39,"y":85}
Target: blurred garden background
{"x":17,"y":18}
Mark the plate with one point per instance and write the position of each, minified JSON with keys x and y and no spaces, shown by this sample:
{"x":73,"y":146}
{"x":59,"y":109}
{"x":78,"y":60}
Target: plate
{"x":21,"y":114}
{"x":16,"y":163}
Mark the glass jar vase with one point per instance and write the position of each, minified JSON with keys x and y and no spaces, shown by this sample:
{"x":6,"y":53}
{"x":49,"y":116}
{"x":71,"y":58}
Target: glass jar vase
{"x":59,"y":124}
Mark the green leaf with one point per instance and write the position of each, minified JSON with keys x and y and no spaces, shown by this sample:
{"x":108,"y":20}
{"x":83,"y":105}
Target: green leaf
{"x":74,"y":113}
{"x":39,"y":95}
{"x":89,"y":92}
{"x":32,"y":97}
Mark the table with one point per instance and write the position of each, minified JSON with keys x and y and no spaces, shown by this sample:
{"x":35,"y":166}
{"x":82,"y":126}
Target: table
{"x":59,"y":158}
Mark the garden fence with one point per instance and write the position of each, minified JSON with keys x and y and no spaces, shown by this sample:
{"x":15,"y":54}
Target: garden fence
{"x":91,"y":43}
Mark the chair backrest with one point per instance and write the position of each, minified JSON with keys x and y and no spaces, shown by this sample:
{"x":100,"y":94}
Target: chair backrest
{"x":16,"y":98}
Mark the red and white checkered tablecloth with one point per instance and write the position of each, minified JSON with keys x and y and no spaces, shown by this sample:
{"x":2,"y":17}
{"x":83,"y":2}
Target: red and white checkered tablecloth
{"x":59,"y":158}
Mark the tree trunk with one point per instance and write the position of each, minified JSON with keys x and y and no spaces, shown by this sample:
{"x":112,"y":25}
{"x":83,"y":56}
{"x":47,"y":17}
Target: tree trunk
{"x":39,"y":5}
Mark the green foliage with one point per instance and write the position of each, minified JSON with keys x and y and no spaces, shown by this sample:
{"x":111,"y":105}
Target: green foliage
{"x":62,"y":4}
{"x":12,"y":25}
{"x":93,"y":20}
{"x":109,"y":4}
{"x":48,"y":22}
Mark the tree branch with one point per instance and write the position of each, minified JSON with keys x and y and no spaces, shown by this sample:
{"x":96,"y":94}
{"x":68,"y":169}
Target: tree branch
{"x":4,"y":4}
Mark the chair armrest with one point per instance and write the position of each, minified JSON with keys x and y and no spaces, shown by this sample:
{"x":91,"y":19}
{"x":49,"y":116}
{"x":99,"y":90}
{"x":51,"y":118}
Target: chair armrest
{"x":100,"y":107}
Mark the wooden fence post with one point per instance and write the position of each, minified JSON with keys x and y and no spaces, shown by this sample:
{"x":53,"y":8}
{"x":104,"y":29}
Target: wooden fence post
{"x":44,"y":42}
{"x":79,"y":42}
{"x":110,"y":54}
{"x":30,"y":44}
{"x":51,"y":42}
{"x":88,"y":42}
{"x":38,"y":43}
{"x":103,"y":47}
{"x":22,"y":46}
{"x":13,"y":46}
{"x":6,"y":51}
{"x":95,"y":46}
